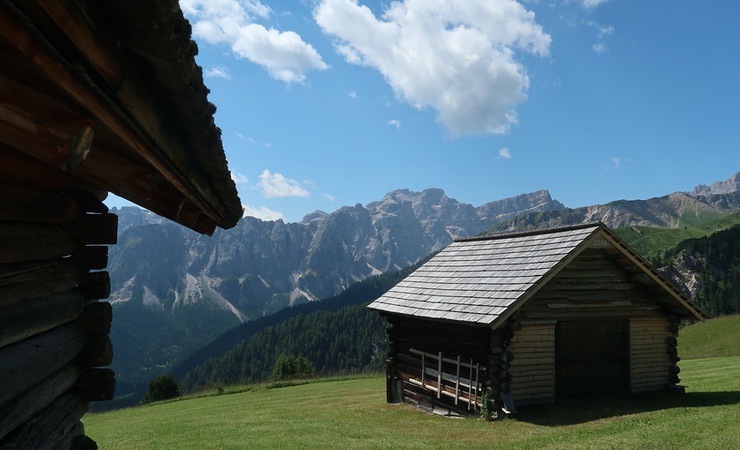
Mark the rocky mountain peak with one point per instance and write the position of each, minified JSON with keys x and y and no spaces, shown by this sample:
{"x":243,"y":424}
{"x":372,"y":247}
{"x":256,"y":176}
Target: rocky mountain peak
{"x":728,"y":186}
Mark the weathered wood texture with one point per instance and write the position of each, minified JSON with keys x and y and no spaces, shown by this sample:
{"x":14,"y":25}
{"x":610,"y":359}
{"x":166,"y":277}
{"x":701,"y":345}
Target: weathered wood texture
{"x":53,"y":328}
{"x":651,"y":364}
{"x":533,"y":367}
{"x":454,"y":382}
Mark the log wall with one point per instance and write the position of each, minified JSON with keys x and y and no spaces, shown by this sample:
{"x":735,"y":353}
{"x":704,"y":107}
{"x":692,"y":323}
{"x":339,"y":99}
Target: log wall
{"x":54,"y":342}
{"x":533,"y":368}
{"x":651,"y":366}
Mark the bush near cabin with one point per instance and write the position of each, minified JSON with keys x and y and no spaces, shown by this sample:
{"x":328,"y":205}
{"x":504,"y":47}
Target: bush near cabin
{"x":161,"y":388}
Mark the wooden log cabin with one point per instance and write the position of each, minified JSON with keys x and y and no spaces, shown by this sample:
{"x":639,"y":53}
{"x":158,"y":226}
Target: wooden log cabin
{"x":95,"y":97}
{"x":490,"y":324}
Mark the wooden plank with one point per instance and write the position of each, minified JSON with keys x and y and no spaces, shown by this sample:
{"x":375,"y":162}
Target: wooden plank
{"x":26,"y":363}
{"x":28,"y":204}
{"x":38,"y":124}
{"x":96,"y":44}
{"x":96,"y":319}
{"x":96,"y":229}
{"x":50,"y":427}
{"x":95,"y":285}
{"x":28,"y":280}
{"x":91,"y":257}
{"x":98,"y":352}
{"x":28,"y":242}
{"x":33,"y":317}
{"x":96,"y":384}
{"x":23,"y":407}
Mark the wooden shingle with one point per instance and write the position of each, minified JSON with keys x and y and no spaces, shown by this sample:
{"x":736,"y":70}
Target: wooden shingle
{"x":479,"y":280}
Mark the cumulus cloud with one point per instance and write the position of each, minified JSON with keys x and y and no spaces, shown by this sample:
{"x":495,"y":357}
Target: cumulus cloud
{"x":455,"y":56}
{"x":239,"y":178}
{"x":283,"y":54}
{"x":394,"y":123}
{"x":218,"y":72}
{"x":504,"y":153}
{"x":276,"y":185}
{"x":262,"y":213}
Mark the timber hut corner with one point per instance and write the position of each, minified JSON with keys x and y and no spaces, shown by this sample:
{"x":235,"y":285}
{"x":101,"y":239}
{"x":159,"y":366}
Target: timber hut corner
{"x":95,"y":97}
{"x":491,"y":324}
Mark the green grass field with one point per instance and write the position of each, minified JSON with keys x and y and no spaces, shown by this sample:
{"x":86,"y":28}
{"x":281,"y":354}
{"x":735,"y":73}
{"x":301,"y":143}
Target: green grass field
{"x":714,"y":338}
{"x":353,"y":414}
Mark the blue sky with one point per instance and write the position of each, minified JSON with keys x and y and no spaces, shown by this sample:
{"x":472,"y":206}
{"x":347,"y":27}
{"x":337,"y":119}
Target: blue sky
{"x":337,"y":102}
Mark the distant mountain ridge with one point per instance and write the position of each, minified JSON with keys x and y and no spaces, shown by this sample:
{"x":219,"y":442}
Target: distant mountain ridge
{"x":167,"y":273}
{"x":674,"y":210}
{"x":190,"y":288}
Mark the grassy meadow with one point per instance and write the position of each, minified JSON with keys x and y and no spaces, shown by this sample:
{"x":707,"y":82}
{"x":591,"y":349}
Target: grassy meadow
{"x":352,"y":413}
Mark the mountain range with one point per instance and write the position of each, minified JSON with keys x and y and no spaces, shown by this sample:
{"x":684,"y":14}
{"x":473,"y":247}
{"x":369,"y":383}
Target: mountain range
{"x":174,"y":290}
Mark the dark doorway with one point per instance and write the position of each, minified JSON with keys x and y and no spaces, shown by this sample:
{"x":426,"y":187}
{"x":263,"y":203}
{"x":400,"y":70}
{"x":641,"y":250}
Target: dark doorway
{"x":592,"y":358}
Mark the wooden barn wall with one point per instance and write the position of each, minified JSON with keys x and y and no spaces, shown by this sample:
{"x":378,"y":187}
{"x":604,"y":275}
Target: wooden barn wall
{"x":54,"y":342}
{"x":533,"y":367}
{"x":460,"y":345}
{"x":593,"y":286}
{"x":651,"y":366}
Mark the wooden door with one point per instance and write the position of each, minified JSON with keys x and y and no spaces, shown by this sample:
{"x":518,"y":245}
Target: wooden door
{"x":592,"y":358}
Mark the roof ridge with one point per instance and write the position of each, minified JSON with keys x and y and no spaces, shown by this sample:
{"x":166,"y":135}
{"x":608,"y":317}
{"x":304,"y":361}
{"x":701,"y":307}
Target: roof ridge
{"x":598,"y":224}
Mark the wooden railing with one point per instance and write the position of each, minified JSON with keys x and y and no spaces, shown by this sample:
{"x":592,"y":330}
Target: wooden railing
{"x":454,"y":385}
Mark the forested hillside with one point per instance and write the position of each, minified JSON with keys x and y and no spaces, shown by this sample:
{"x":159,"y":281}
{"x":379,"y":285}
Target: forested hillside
{"x":338,"y":334}
{"x":712,"y":266}
{"x":349,"y":340}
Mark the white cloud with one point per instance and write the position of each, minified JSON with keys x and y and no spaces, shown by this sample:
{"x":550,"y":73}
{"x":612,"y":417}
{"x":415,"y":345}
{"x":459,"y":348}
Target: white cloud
{"x":599,"y":48}
{"x":239,"y":178}
{"x":589,"y":4}
{"x":394,"y":123}
{"x":352,"y":94}
{"x":615,"y":161}
{"x":456,"y":56}
{"x":330,"y":197}
{"x":218,"y":72}
{"x":276,"y":185}
{"x":262,"y":213}
{"x":504,"y":153}
{"x":283,"y":54}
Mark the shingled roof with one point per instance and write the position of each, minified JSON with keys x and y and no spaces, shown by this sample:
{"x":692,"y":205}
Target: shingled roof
{"x":484,"y":280}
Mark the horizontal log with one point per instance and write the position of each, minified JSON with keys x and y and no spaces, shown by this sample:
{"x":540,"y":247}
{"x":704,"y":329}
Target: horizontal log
{"x":95,"y":285}
{"x":51,"y":427}
{"x":97,"y":352}
{"x":27,"y":362}
{"x":28,"y":204}
{"x":33,"y":317}
{"x":96,"y":229}
{"x":545,"y":391}
{"x":23,"y":407}
{"x":96,"y":319}
{"x":27,"y":242}
{"x":28,"y":280}
{"x":536,"y":361}
{"x":91,"y":257}
{"x":96,"y":385}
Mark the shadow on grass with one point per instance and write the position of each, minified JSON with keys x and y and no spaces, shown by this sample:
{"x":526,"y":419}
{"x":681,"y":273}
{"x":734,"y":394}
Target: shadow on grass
{"x":583,"y":411}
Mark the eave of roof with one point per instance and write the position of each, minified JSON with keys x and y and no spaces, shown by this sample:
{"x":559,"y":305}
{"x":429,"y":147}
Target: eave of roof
{"x":127,"y":73}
